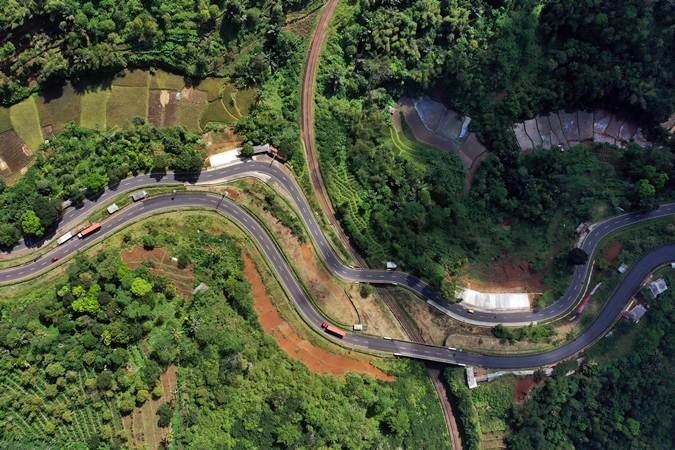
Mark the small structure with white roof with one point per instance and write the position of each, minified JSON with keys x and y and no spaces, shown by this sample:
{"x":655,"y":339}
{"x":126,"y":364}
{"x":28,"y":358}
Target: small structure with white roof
{"x":471,"y":378}
{"x":636,"y":313}
{"x":112,"y":208}
{"x":138,"y":195}
{"x":658,"y":287}
{"x":622,"y":268}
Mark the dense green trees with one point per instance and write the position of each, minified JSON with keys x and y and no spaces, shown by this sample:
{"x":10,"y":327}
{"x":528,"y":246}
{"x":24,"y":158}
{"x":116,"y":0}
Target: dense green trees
{"x":497,"y":64}
{"x":460,"y":396}
{"x":628,"y":403}
{"x":50,"y":40}
{"x":500,"y":62}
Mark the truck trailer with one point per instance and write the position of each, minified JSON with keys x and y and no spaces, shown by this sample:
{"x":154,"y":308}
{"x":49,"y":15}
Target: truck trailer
{"x":333,"y":330}
{"x":89,"y":230}
{"x":65,"y":238}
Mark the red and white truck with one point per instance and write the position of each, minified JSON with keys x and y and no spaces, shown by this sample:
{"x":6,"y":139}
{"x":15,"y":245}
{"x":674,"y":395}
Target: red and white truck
{"x":333,"y":330}
{"x":89,"y":230}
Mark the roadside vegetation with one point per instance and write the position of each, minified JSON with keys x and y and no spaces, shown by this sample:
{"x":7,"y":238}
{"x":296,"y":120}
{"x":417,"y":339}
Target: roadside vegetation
{"x":623,"y":388}
{"x":629,"y":400}
{"x":80,"y":163}
{"x":85,"y":352}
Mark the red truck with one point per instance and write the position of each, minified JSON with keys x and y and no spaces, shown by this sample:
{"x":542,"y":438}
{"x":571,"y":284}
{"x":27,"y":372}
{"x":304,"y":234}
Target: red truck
{"x":333,"y":330}
{"x":89,"y":230}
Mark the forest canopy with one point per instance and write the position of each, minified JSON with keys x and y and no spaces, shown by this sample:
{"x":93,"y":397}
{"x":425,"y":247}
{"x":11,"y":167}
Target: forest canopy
{"x":51,"y":40}
{"x":515,"y":59}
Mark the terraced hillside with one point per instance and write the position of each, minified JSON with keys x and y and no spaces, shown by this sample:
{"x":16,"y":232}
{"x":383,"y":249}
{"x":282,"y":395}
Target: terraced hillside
{"x":160,"y":98}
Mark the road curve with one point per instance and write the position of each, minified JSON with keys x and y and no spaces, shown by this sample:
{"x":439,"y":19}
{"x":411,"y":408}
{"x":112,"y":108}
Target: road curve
{"x":304,"y":306}
{"x":275,"y":174}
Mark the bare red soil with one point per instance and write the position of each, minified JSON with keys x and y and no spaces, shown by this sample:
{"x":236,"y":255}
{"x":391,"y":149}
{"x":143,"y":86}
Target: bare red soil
{"x":163,"y":266}
{"x":612,"y":252}
{"x":507,"y":274}
{"x":523,"y":387}
{"x":314,"y":358}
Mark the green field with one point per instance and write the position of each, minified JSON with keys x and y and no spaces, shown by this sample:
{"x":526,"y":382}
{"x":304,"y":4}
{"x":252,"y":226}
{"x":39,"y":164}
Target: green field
{"x":100,"y":108}
{"x":134,"y":78}
{"x":166,"y":80}
{"x":26,"y":122}
{"x":5,"y":122}
{"x":93,"y":109}
{"x":217,"y":112}
{"x":60,"y":109}
{"x":213,"y":88}
{"x":493,"y":401}
{"x":190,"y":110}
{"x":125,"y":104}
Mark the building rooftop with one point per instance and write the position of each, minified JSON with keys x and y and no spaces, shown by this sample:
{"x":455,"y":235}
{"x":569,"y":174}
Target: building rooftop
{"x":636,"y":313}
{"x":658,"y":287}
{"x":471,"y":378}
{"x":139,"y":195}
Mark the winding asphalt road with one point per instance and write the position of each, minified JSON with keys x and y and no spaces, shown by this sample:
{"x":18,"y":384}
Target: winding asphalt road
{"x":275,"y":174}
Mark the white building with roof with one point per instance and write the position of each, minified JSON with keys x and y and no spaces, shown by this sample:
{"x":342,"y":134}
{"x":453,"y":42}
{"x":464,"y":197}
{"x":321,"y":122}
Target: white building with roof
{"x":636,"y":313}
{"x":658,"y":287}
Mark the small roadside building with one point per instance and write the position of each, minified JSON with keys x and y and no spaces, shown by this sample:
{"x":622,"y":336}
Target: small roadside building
{"x":471,"y":378}
{"x":581,"y":228}
{"x":112,"y":208}
{"x":636,"y":313}
{"x":658,"y":287}
{"x":622,"y":268}
{"x":138,"y":195}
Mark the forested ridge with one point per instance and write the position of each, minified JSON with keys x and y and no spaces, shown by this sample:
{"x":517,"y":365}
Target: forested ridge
{"x":515,"y":59}
{"x":497,"y":63}
{"x":47,"y":41}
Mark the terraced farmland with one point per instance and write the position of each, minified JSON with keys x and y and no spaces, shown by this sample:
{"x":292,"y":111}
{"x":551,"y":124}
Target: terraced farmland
{"x":160,"y":98}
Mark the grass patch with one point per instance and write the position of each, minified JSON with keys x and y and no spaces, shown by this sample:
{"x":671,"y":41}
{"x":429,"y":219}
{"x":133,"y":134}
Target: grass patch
{"x":217,"y":112}
{"x":134,"y":78}
{"x":166,"y":80}
{"x":244,"y":101}
{"x":493,"y":401}
{"x":409,"y":147}
{"x":26,"y":122}
{"x":124,"y":200}
{"x":125,"y":104}
{"x":190,"y":109}
{"x":618,"y":343}
{"x":239,"y":103}
{"x":59,"y":107}
{"x":5,"y":122}
{"x":212,"y":87}
{"x":93,"y":109}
